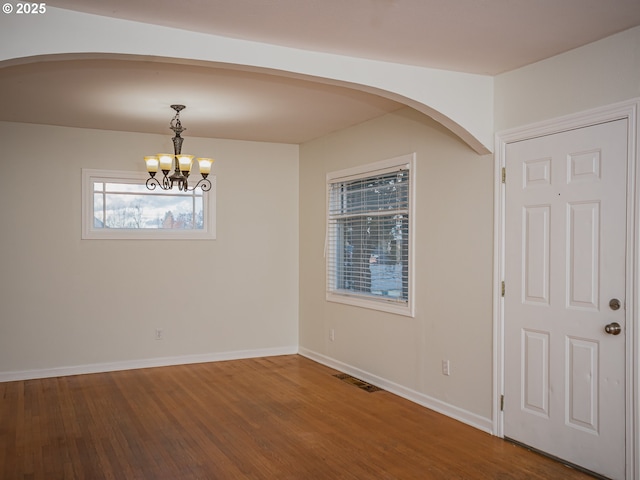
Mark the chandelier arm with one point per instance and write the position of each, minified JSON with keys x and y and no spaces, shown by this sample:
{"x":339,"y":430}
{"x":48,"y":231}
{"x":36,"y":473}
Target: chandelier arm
{"x":204,"y":184}
{"x":152,"y":183}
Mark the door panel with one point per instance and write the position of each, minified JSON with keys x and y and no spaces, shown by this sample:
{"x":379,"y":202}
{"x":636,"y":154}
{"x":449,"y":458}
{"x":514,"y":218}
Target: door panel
{"x":536,"y":267}
{"x":565,"y":235}
{"x":583,"y":255}
{"x":582,"y":384}
{"x":535,"y":372}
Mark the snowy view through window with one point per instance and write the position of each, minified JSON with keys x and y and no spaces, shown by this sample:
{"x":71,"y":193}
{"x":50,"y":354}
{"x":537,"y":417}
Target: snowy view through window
{"x":133,"y":206}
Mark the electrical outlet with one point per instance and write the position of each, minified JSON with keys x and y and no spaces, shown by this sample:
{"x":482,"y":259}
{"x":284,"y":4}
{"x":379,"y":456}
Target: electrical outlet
{"x":332,"y":334}
{"x":446,"y":367}
{"x":159,"y":334}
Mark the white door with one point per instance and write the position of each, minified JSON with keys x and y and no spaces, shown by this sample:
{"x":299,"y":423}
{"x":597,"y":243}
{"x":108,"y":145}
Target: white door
{"x":565,"y":244}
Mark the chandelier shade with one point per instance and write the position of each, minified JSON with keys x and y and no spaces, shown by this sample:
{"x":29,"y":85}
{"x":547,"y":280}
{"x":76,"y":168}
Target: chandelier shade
{"x":179,"y":162}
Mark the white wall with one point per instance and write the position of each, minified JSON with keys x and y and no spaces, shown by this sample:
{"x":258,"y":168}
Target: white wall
{"x":68,"y":302}
{"x":598,"y":74}
{"x":453,"y":267}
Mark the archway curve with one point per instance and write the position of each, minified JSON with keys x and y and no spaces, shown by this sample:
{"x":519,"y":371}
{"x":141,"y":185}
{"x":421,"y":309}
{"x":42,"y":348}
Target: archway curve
{"x":424,"y":109}
{"x":461,"y":102}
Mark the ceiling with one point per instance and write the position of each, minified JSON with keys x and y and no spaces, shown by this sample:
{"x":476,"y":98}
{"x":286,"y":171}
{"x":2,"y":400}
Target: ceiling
{"x":134,"y":96}
{"x":475,"y":36}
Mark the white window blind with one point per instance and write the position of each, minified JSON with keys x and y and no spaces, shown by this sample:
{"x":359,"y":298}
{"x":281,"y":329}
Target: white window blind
{"x":368,"y":235}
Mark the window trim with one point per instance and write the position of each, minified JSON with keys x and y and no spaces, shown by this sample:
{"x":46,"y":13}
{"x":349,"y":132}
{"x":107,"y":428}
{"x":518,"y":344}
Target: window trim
{"x":89,"y":232}
{"x":363,"y":171}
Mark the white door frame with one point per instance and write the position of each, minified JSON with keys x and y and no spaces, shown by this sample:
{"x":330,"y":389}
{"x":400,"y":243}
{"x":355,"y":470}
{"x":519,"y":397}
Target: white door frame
{"x":629,"y":110}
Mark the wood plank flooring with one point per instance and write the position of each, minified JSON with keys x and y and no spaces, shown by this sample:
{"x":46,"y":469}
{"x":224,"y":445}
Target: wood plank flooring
{"x":269,"y":418}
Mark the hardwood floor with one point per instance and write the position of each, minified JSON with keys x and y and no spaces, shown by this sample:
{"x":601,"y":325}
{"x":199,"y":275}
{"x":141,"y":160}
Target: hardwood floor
{"x":269,"y":418}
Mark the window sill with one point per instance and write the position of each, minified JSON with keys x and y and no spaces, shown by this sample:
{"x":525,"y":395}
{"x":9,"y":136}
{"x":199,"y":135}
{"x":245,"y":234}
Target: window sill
{"x":372,"y":304}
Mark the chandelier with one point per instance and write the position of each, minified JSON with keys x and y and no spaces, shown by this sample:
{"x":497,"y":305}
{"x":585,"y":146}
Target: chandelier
{"x":180,"y":163}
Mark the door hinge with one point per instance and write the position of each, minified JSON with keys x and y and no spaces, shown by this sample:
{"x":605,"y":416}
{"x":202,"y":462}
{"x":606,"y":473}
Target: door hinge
{"x":502,"y":403}
{"x":503,"y":289}
{"x":504,"y":174}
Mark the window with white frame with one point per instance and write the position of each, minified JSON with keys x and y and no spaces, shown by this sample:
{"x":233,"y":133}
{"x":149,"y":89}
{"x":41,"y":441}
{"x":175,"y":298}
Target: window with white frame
{"x":118,"y":205}
{"x":369,"y":232}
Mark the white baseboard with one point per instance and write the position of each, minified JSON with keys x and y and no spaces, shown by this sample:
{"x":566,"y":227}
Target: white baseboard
{"x":456,"y":413}
{"x":464,"y":416}
{"x":144,"y":363}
